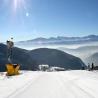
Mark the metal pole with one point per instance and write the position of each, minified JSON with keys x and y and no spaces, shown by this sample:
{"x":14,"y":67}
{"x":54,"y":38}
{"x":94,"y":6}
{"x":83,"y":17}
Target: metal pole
{"x":10,"y":45}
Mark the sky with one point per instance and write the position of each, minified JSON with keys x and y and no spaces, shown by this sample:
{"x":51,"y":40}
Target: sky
{"x":29,"y":19}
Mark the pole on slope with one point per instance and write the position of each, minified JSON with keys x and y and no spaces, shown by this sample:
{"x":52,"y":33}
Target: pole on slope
{"x":10,"y":45}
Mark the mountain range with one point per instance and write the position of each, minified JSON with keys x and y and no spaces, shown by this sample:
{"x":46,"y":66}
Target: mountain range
{"x":82,"y":52}
{"x":29,"y":60}
{"x":59,"y":40}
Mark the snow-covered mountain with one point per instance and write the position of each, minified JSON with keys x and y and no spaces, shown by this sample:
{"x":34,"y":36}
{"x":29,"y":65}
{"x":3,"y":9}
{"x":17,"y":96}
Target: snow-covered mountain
{"x":59,"y":40}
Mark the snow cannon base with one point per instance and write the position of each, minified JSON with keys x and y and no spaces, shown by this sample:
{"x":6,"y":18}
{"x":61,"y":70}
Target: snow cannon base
{"x":12,"y":69}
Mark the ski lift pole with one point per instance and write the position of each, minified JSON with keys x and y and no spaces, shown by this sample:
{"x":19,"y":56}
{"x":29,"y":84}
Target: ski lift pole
{"x":10,"y":45}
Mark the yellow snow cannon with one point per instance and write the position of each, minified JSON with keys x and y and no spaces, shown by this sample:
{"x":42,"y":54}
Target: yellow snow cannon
{"x":12,"y":69}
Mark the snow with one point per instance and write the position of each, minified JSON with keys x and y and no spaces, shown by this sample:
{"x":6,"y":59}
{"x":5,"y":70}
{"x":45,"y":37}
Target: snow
{"x":64,"y":84}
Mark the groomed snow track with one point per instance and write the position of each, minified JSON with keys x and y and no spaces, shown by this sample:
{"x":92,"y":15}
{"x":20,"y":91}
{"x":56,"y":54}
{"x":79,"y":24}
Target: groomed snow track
{"x":67,"y":84}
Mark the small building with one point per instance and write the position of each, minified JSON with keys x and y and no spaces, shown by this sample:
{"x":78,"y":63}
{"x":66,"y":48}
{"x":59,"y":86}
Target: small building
{"x":57,"y":69}
{"x":44,"y":67}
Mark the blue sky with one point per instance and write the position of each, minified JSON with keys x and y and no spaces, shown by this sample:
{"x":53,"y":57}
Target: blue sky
{"x":28,"y":19}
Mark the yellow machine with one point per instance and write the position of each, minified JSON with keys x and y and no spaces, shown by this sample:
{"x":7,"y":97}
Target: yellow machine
{"x":12,"y":69}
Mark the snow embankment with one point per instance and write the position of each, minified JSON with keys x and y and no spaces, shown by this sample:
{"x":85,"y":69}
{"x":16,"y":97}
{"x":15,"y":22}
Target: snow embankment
{"x":67,"y":84}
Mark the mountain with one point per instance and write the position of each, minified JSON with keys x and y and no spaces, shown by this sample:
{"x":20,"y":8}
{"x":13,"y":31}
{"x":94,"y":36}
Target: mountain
{"x":20,"y":56}
{"x":57,"y":58}
{"x":59,"y":40}
{"x":81,"y":52}
{"x":86,"y":48}
{"x":80,"y":49}
{"x":29,"y":60}
{"x":93,"y":58}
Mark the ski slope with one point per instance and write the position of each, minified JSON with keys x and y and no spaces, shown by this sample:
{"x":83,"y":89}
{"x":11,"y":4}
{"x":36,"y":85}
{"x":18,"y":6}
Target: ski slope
{"x":67,"y":84}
